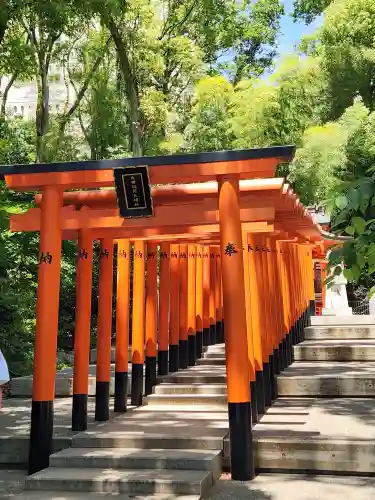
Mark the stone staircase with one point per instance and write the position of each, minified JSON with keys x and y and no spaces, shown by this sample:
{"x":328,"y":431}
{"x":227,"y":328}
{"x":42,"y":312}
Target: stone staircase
{"x":175,"y":445}
{"x":171,"y":446}
{"x":323,"y":419}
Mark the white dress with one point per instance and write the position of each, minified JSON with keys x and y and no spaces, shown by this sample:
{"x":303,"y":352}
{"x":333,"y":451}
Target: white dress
{"x":4,"y":373}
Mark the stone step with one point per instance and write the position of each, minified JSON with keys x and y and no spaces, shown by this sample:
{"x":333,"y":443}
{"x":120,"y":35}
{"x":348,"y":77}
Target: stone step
{"x":214,"y":354}
{"x":342,"y":320}
{"x":190,"y":378}
{"x":14,"y":449}
{"x":190,"y":389}
{"x":125,"y":458}
{"x":333,"y":435}
{"x":93,"y":354}
{"x":216,"y":347}
{"x":121,"y":481}
{"x":315,"y":455}
{"x":22,"y":386}
{"x":215,"y":361}
{"x":186,"y":398}
{"x":202,"y":374}
{"x":340,"y":332}
{"x":327,"y":379}
{"x":178,"y":438}
{"x":56,"y":495}
{"x":335,"y":350}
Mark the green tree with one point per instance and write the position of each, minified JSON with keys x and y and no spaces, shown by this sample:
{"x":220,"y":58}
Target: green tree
{"x":308,"y":10}
{"x":15,"y":59}
{"x":324,"y":161}
{"x":209,"y":129}
{"x":348,"y":53}
{"x":276,"y":111}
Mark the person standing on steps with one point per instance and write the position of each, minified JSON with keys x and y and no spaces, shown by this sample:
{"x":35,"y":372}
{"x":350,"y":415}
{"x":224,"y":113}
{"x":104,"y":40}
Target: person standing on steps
{"x":4,"y":376}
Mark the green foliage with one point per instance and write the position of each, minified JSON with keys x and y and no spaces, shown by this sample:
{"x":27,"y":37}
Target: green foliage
{"x":330,"y":154}
{"x":169,"y":76}
{"x":278,"y":110}
{"x":348,"y":52}
{"x":208,"y":129}
{"x":308,"y":10}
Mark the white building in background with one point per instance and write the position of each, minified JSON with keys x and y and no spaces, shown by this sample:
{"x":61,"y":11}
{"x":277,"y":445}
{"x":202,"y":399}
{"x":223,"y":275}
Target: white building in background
{"x":22,"y":97}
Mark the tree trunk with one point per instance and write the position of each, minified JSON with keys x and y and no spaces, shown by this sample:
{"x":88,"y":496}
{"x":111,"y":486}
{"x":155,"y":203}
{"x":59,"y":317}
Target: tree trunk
{"x":6,"y":93}
{"x":42,"y":112}
{"x":131,"y":88}
{"x":4,"y":19}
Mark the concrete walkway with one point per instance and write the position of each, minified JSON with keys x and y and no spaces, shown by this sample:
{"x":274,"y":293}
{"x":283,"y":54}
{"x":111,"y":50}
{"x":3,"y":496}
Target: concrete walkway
{"x":264,"y":487}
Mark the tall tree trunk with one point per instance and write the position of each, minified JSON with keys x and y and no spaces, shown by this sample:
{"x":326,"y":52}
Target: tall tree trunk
{"x":131,"y":88}
{"x":42,"y":111}
{"x":4,"y":19}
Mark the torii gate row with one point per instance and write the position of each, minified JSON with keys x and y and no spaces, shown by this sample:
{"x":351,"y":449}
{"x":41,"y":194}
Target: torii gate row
{"x":284,"y":198}
{"x":268,"y":200}
{"x":288,"y":292}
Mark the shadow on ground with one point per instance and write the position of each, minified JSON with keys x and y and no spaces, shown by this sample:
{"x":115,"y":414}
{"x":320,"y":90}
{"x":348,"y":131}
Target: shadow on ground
{"x":294,"y":487}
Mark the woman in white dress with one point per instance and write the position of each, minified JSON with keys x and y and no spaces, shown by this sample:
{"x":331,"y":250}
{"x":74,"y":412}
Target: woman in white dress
{"x":4,"y":375}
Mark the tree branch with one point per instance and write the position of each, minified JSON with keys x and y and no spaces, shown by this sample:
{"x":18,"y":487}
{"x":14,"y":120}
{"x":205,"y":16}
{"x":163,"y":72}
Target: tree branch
{"x":52,"y":39}
{"x":84,"y":87}
{"x":83,"y":128}
{"x":6,"y":93}
{"x":179,"y":24}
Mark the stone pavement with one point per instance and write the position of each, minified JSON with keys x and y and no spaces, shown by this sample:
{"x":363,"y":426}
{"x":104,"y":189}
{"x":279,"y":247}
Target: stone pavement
{"x":264,"y":487}
{"x":15,"y":427}
{"x":293,"y":487}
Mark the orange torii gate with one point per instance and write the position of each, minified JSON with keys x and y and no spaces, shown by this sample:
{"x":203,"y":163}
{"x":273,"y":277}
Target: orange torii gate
{"x":192,"y":220}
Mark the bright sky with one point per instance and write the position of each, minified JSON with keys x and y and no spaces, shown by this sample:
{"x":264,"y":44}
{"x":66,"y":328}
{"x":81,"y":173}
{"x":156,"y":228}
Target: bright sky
{"x":291,"y":33}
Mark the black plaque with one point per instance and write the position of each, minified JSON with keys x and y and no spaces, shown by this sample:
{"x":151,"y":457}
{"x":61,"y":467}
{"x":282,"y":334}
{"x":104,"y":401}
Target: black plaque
{"x":133,"y":192}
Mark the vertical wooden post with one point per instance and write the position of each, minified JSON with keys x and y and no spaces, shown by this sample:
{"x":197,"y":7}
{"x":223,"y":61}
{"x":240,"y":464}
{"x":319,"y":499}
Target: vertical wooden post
{"x":324,"y":274}
{"x":192,"y":269}
{"x":218,"y":306}
{"x":256,"y":314}
{"x":237,"y":362}
{"x":183,"y":335}
{"x":286,"y":302}
{"x":103,"y":358}
{"x":222,"y":308}
{"x":199,"y":301}
{"x":284,"y":305}
{"x":82,"y":330}
{"x":47,"y":315}
{"x":310,"y":277}
{"x":264,"y":318}
{"x":279,"y":354}
{"x":290,"y":280}
{"x":122,"y":325}
{"x":271,"y":280}
{"x":174,"y":319}
{"x":151,"y":316}
{"x":206,"y":295}
{"x":250,"y":344}
{"x":163,"y":316}
{"x":212,"y":296}
{"x":138,"y":323}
